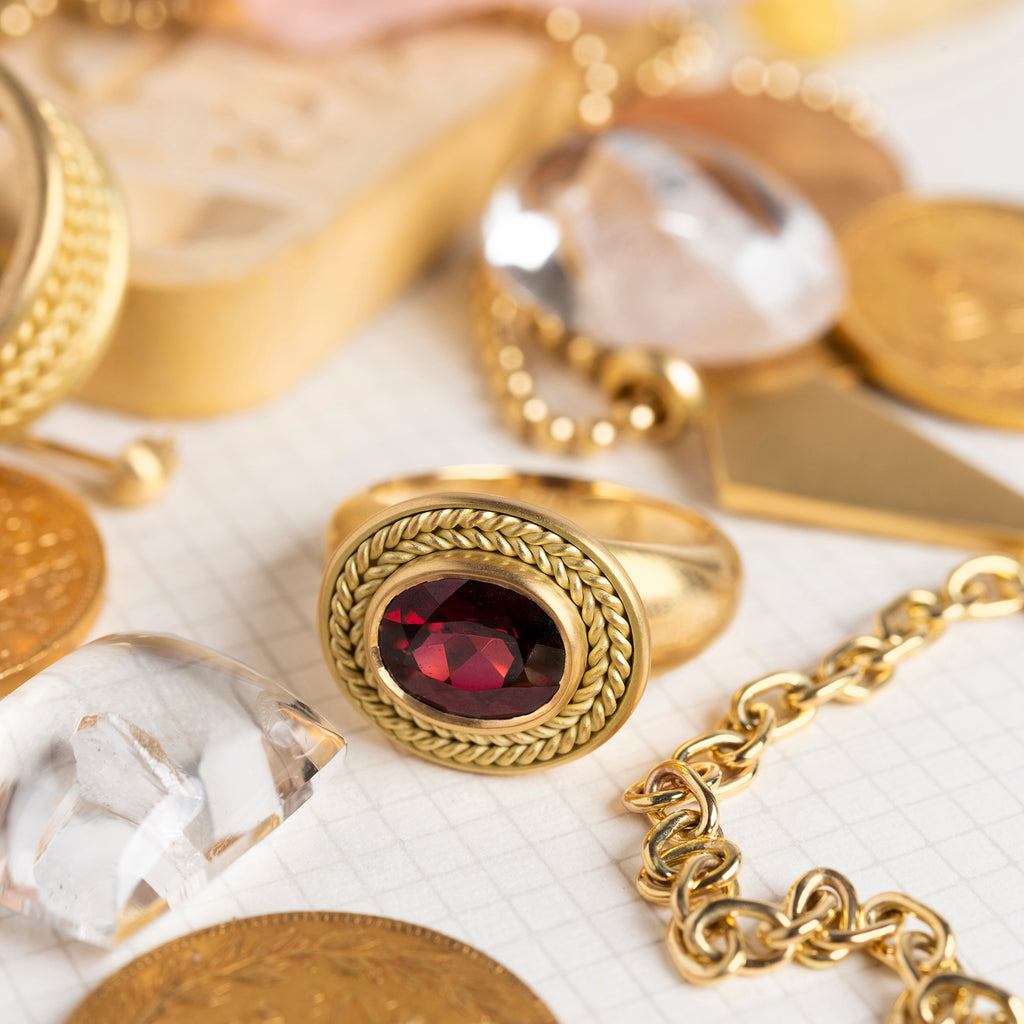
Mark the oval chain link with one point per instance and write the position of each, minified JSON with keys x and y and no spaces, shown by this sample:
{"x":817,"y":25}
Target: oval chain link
{"x":689,"y":866}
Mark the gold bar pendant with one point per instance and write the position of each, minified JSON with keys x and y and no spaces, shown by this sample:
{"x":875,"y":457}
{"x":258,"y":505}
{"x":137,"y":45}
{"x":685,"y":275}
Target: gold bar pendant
{"x":823,"y":450}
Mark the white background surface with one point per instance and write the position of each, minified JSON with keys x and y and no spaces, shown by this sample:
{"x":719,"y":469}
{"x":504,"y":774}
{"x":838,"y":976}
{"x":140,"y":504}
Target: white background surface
{"x":920,"y":790}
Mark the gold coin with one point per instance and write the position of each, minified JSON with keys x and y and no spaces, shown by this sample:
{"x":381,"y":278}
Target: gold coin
{"x":51,"y":575}
{"x":313,"y":968}
{"x":835,"y":167}
{"x":936,"y":307}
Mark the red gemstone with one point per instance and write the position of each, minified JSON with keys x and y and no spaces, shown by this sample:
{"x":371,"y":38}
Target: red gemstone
{"x":472,"y":648}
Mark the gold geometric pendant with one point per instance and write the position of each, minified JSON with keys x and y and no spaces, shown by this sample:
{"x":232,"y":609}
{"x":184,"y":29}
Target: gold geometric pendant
{"x":823,"y":450}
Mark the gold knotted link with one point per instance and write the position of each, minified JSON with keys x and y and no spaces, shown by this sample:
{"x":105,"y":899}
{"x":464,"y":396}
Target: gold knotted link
{"x":692,"y":868}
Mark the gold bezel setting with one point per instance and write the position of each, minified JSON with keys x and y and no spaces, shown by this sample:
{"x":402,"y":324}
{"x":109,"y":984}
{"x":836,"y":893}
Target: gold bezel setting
{"x":543,"y":553}
{"x":487,"y":568}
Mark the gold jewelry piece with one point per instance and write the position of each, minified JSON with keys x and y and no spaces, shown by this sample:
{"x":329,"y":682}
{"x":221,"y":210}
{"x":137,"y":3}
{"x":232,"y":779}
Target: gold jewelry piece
{"x":936,"y":311}
{"x":136,"y":476}
{"x":702,"y":345}
{"x":302,"y":967}
{"x":689,"y":866}
{"x":52,"y":573}
{"x":61,"y":291}
{"x":63,"y":283}
{"x":475,"y":617}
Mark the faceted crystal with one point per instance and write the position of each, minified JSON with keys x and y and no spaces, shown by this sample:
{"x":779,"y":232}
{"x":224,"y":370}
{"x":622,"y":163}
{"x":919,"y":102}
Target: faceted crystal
{"x":665,"y":239}
{"x":136,"y":769}
{"x":472,"y":648}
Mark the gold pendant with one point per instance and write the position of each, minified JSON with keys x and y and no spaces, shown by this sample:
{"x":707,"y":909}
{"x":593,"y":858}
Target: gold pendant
{"x":785,"y":453}
{"x":690,"y":285}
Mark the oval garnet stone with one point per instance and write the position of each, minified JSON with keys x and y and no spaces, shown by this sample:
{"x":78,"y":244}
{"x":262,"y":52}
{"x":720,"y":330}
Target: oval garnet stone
{"x":471,"y":648}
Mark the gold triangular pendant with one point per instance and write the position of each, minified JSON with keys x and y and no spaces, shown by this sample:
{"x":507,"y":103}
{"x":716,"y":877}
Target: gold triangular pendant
{"x":826,"y":452}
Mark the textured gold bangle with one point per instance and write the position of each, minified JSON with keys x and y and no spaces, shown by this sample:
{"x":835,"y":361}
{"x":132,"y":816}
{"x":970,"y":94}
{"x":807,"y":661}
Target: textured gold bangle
{"x":63,"y":283}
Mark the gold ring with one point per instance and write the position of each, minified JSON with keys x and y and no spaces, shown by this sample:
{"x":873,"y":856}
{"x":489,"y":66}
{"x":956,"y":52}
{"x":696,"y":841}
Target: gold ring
{"x":64,"y":280}
{"x":474,"y":616}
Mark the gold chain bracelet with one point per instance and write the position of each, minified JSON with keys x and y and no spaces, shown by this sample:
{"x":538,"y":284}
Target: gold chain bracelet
{"x":690,"y":866}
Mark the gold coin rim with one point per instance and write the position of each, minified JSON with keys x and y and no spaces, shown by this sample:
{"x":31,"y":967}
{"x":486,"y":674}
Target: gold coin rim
{"x":890,"y":365}
{"x":88,"y":609}
{"x":91,"y":1008}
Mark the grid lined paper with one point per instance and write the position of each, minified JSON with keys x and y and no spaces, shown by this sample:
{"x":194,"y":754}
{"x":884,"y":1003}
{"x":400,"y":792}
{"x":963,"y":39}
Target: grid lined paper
{"x":919,"y":790}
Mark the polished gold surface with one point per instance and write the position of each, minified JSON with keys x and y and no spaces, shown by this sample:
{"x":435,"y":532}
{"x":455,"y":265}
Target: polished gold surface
{"x":819,"y":449}
{"x":64,"y":280}
{"x":51,"y":575}
{"x":313,"y":968}
{"x":239,"y":230}
{"x":649,"y":395}
{"x":617,"y":655}
{"x":690,"y":867}
{"x":674,"y":556}
{"x":658,"y":585}
{"x":791,"y":438}
{"x":936,"y":310}
{"x":136,"y":476}
{"x":803,"y":127}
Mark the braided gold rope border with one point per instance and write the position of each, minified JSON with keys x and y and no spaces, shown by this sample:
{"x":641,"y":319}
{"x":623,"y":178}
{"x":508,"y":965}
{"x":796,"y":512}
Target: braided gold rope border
{"x":65,"y":326}
{"x":609,"y":634}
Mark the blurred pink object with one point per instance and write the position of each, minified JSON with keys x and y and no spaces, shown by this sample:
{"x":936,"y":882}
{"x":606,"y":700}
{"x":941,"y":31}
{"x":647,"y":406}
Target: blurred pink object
{"x":330,"y":24}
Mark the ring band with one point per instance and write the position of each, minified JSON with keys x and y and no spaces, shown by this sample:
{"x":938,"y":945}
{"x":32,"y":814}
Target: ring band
{"x":63,"y":283}
{"x":498,"y":621}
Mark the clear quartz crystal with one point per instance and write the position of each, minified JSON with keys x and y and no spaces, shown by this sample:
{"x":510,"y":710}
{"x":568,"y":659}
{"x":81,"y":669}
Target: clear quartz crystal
{"x":136,"y":769}
{"x":664,"y":239}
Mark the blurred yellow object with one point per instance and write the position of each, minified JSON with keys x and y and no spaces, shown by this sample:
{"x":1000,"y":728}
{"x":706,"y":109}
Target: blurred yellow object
{"x":815,"y":28}
{"x":277,"y":201}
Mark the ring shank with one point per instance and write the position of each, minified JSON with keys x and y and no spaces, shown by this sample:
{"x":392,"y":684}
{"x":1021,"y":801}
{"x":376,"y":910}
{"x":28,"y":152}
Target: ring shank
{"x":686,"y":571}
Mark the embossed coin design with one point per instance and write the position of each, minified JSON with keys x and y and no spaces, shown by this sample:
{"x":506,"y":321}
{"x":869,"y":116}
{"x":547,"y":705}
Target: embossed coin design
{"x":313,"y":968}
{"x":936,"y":309}
{"x":809,"y":139}
{"x":52,"y":582}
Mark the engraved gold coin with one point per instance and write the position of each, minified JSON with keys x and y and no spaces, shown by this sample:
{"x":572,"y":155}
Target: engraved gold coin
{"x":839,"y":169}
{"x":313,"y":968}
{"x":936,"y":308}
{"x":51,"y":575}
